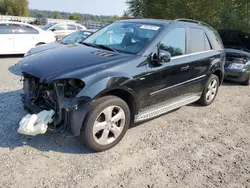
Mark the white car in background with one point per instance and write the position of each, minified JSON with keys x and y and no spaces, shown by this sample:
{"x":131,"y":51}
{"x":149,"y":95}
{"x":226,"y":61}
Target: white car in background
{"x":19,"y":38}
{"x":63,"y":29}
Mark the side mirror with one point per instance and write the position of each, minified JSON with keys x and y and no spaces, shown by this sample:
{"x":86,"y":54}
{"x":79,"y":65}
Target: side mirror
{"x":53,"y":30}
{"x":164,"y":56}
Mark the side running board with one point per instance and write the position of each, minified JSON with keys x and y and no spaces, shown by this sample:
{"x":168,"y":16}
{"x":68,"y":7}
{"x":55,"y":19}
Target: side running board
{"x":164,"y":108}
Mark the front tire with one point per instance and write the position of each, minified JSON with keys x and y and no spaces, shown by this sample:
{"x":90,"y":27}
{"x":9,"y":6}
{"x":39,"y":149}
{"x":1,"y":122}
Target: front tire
{"x":210,"y":91}
{"x":247,"y":82}
{"x":105,"y":124}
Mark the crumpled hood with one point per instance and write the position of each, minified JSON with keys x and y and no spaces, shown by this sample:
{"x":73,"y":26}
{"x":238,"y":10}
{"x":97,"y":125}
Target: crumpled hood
{"x":54,"y":63}
{"x":44,"y":47}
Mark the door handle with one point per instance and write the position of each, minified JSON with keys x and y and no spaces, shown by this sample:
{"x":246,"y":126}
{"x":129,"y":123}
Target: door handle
{"x":185,"y":68}
{"x":9,"y":38}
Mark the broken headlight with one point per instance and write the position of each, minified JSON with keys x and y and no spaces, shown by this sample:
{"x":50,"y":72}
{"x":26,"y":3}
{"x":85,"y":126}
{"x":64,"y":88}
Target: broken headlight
{"x":71,"y":87}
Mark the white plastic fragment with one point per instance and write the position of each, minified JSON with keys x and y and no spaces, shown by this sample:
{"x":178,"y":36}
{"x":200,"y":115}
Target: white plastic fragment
{"x":35,"y":124}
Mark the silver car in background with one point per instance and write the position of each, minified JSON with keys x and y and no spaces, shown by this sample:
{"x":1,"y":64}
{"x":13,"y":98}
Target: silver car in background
{"x":62,"y":29}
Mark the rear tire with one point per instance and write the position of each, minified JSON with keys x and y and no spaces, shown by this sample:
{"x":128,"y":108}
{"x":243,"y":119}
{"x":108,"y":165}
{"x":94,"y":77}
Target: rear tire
{"x":105,"y":124}
{"x":210,"y":91}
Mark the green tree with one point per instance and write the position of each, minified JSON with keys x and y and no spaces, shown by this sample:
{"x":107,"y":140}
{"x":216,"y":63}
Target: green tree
{"x":234,"y":14}
{"x":14,"y":7}
{"x":125,"y":15}
{"x":75,"y":17}
{"x":57,"y":15}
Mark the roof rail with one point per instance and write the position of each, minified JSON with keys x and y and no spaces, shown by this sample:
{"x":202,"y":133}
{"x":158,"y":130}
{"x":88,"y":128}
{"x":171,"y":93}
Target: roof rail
{"x":190,"y":20}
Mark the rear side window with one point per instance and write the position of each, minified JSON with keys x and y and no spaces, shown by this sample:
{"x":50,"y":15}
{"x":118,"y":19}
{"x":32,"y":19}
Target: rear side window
{"x":175,"y":42}
{"x":5,"y":29}
{"x":71,"y":27}
{"x":197,"y":40}
{"x":24,"y":29}
{"x":59,"y":27}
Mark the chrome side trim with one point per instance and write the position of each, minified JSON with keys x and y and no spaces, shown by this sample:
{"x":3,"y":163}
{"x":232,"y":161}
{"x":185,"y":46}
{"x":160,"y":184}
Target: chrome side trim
{"x":164,"y":108}
{"x":176,"y":85}
{"x":187,"y":55}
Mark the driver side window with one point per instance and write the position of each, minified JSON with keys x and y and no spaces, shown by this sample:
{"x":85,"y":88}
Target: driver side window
{"x":175,"y":42}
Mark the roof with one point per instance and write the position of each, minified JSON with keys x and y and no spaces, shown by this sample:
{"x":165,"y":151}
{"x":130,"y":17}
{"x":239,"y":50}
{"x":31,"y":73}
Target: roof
{"x":182,"y":21}
{"x":13,"y":22}
{"x":21,"y":23}
{"x":148,"y":21}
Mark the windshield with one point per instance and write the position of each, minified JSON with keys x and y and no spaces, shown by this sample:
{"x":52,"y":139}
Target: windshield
{"x":75,"y":37}
{"x":47,"y":26}
{"x":124,"y":37}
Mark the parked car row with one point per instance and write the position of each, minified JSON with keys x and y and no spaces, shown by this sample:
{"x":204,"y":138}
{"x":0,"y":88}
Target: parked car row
{"x":128,"y":72}
{"x":19,"y":38}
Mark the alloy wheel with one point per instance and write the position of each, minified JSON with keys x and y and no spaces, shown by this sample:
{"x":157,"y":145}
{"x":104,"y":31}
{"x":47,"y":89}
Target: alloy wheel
{"x":109,"y":125}
{"x":211,"y":90}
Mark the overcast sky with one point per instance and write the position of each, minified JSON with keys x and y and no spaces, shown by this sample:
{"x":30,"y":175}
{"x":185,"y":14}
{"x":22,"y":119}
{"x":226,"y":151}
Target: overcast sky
{"x":98,"y":7}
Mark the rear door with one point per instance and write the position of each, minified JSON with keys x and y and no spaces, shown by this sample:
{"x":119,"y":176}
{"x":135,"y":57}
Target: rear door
{"x":6,"y":38}
{"x":25,"y":37}
{"x":200,"y":57}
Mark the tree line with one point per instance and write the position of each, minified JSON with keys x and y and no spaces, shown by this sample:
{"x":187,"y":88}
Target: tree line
{"x":66,"y":15}
{"x":14,"y":7}
{"x":21,"y":8}
{"x":233,"y":14}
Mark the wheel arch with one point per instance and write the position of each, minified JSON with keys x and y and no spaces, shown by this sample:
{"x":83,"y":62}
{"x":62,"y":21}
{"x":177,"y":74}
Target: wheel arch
{"x":126,"y":95}
{"x":40,"y":43}
{"x":219,"y":73}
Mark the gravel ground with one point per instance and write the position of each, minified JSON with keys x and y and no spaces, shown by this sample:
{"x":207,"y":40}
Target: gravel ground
{"x":191,"y":147}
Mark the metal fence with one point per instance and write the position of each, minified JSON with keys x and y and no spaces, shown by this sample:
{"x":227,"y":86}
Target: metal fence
{"x":94,"y":25}
{"x":43,"y":21}
{"x":32,"y":19}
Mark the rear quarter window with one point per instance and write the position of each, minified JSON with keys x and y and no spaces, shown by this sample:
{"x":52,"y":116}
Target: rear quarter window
{"x":215,"y":39}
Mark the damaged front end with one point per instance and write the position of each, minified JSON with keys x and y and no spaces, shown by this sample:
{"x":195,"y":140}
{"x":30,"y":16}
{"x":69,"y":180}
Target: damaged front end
{"x":59,"y":96}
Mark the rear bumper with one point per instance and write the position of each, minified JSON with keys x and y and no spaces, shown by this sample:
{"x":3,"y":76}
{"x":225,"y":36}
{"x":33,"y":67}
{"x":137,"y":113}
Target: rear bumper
{"x":237,"y":75}
{"x":69,"y":116}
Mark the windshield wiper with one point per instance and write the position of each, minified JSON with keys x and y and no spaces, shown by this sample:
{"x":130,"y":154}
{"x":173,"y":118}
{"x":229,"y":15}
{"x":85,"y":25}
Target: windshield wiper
{"x":98,"y":46}
{"x":89,"y":44}
{"x":107,"y":48}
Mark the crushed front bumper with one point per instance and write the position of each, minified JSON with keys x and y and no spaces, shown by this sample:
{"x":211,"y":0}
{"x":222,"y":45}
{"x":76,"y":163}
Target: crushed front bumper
{"x":69,"y":116}
{"x":237,"y":75}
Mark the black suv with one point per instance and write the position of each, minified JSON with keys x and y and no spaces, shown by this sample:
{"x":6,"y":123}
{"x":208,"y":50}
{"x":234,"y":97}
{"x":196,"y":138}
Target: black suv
{"x":129,"y":71}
